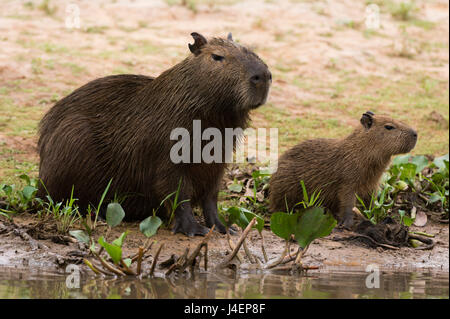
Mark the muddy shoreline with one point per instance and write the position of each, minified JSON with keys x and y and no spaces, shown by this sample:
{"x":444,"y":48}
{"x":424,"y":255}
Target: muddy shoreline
{"x":29,"y":243}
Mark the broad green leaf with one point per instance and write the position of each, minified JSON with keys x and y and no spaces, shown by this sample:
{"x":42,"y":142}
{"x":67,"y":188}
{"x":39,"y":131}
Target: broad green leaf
{"x":249,"y":216}
{"x":25,"y":178}
{"x":283,"y":225}
{"x":127,"y":261}
{"x":150,"y":225}
{"x":313,"y":223}
{"x":402,"y":159}
{"x":442,"y":162}
{"x":119,"y":241}
{"x":408,"y":172}
{"x":115,"y":252}
{"x":434,"y":198}
{"x":235,"y":187}
{"x":28,"y":192}
{"x":408,"y":221}
{"x":114,"y":214}
{"x":421,"y":162}
{"x":225,"y":218}
{"x":259,"y":221}
{"x":241,"y":217}
{"x":80,"y":235}
{"x":237,"y":217}
{"x":7,"y":189}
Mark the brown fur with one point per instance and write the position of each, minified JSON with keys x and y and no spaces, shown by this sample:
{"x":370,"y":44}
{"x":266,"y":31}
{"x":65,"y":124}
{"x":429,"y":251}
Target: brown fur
{"x":340,"y":168}
{"x":118,"y":128}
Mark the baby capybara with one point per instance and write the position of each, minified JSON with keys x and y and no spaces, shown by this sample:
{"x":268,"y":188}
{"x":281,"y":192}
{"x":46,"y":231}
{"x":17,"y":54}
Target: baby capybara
{"x":119,"y":128}
{"x":340,"y":168}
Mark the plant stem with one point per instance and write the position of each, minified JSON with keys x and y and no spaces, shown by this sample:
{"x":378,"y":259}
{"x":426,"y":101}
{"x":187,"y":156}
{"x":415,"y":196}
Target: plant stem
{"x":263,"y":248}
{"x":247,"y":229}
{"x":108,"y":266}
{"x":233,"y":246}
{"x":279,"y":260}
{"x":248,"y":253}
{"x":126,"y":269}
{"x":422,"y":234}
{"x":152,"y":269}
{"x":139,"y":260}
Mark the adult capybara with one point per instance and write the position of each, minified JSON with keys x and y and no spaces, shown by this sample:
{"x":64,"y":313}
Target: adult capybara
{"x":119,"y":128}
{"x":340,"y":168}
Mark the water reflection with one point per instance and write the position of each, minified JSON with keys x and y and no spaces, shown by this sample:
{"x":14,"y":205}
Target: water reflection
{"x":323,"y":284}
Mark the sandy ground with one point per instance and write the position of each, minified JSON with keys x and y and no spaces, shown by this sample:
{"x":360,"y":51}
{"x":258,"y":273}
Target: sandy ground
{"x":327,"y":68}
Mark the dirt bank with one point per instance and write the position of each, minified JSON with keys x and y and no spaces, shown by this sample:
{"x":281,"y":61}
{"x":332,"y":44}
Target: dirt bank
{"x":30,"y":242}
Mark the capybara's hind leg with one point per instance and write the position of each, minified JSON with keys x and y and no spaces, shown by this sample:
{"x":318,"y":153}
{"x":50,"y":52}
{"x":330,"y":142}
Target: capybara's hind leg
{"x":185,"y":222}
{"x":210,"y":213}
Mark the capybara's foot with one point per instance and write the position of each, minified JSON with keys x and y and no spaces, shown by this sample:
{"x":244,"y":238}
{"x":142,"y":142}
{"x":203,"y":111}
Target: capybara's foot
{"x":189,"y":228}
{"x":211,"y":217}
{"x":218,"y":226}
{"x":346,"y":222}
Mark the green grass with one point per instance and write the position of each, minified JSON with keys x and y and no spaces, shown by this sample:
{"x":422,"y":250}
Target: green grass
{"x":96,"y":29}
{"x":12,"y":165}
{"x":75,"y":68}
{"x":403,"y":10}
{"x":426,"y":25}
{"x":410,"y":99}
{"x":48,"y":8}
{"x":142,"y":47}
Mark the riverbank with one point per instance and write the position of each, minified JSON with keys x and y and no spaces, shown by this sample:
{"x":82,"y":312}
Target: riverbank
{"x":30,"y":242}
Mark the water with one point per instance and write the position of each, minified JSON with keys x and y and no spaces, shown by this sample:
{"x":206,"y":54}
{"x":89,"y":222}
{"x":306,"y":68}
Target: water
{"x":316,"y":284}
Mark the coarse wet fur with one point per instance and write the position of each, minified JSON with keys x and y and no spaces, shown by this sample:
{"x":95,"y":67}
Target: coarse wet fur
{"x":119,"y":128}
{"x":340,"y":168}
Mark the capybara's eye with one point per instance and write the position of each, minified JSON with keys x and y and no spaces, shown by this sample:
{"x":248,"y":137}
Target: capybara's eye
{"x":389,"y":127}
{"x":217,"y":57}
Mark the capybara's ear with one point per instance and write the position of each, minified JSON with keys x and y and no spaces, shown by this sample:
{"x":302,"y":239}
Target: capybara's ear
{"x":200,"y":41}
{"x":230,"y":37}
{"x":367,"y":119}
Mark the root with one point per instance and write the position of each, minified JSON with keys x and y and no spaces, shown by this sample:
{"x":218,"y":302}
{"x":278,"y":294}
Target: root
{"x":248,"y":253}
{"x":356,"y":235}
{"x":185,"y":262}
{"x":280,"y":259}
{"x":233,"y":254}
{"x":429,"y":243}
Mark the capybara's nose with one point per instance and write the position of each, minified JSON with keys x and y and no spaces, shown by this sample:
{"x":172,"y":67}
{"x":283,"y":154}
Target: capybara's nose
{"x":414,"y":134}
{"x":261,"y":77}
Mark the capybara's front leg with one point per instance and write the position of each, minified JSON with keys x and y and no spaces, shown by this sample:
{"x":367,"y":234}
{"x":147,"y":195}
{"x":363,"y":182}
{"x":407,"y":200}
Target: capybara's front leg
{"x":185,"y":222}
{"x":345,"y":216}
{"x":210,"y":213}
